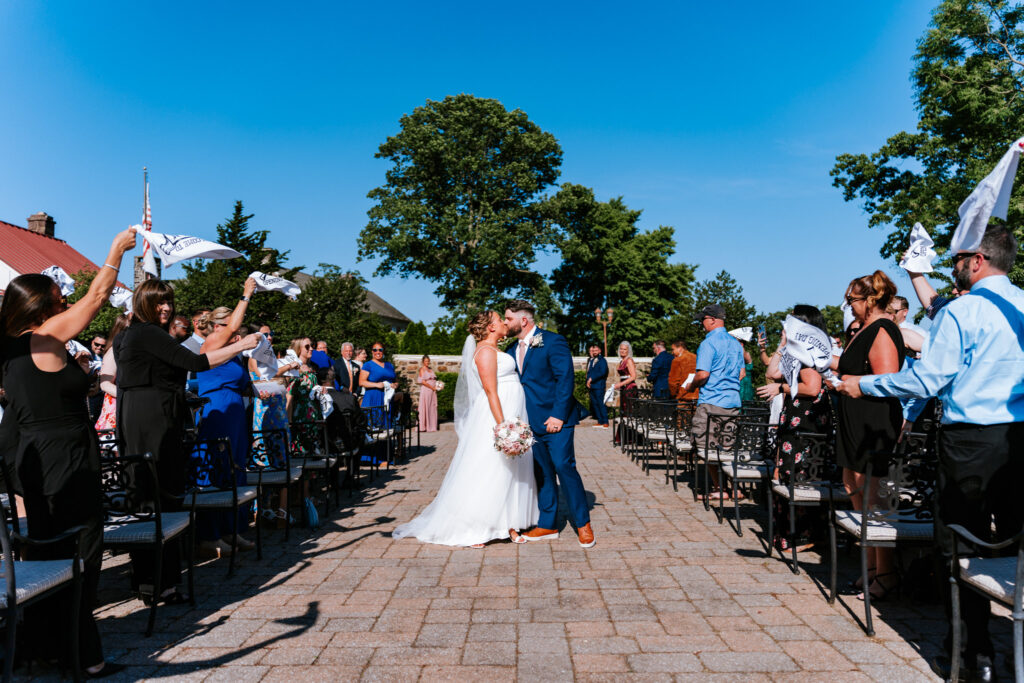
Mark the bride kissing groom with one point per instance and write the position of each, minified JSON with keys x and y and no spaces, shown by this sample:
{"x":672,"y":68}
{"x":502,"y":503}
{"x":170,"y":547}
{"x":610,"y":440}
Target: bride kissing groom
{"x":487,"y":495}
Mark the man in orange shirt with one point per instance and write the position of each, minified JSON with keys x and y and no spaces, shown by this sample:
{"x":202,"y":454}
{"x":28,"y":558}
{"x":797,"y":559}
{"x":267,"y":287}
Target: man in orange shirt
{"x":683,"y":365}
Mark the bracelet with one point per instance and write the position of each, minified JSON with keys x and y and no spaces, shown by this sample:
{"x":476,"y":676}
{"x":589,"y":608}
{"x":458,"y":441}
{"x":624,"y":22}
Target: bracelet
{"x":115,"y":268}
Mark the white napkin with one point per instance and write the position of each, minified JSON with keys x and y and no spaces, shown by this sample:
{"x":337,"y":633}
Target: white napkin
{"x":609,"y":396}
{"x":318,"y":393}
{"x":121,"y":298}
{"x":990,"y":198}
{"x":806,"y":347}
{"x":174,"y":248}
{"x":272,"y":283}
{"x":689,"y":378}
{"x":389,"y":393}
{"x":63,"y":280}
{"x":847,"y":315}
{"x":919,"y":257}
{"x":266,"y":361}
{"x":744,"y":334}
{"x":291,"y":357}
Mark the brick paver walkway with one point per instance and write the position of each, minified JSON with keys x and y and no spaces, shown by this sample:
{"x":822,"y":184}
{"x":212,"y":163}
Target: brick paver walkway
{"x":667,"y":593}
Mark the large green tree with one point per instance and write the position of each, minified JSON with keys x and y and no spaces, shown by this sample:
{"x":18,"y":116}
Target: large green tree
{"x":208,"y":284}
{"x":415,"y":339}
{"x":608,"y":262}
{"x":968,"y":81}
{"x":332,"y":307}
{"x":720,"y":289}
{"x":461,"y":202}
{"x":107,"y":314}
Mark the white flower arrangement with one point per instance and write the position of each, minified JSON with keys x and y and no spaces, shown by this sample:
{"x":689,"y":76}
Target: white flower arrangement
{"x":537,"y":341}
{"x":513,"y":437}
{"x":439,"y":384}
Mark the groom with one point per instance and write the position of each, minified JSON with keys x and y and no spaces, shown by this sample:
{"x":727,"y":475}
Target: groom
{"x":545,"y":368}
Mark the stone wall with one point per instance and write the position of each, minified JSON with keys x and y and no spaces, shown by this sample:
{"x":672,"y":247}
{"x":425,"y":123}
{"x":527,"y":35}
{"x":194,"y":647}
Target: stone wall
{"x":408,"y":365}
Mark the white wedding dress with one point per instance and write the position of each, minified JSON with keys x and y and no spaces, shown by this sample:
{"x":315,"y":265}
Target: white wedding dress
{"x":485,"y":493}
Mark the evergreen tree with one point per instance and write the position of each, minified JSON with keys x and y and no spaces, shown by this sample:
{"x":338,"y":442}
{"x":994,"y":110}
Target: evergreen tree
{"x":415,"y":339}
{"x":439,"y":340}
{"x":332,"y":307}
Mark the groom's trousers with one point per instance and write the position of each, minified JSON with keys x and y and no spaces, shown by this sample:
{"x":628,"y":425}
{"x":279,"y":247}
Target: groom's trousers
{"x":555,"y":454}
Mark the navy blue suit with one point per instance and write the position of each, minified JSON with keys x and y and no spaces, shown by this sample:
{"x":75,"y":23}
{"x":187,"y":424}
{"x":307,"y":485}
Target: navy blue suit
{"x":597,"y":373}
{"x":658,"y":377}
{"x":548,"y":380}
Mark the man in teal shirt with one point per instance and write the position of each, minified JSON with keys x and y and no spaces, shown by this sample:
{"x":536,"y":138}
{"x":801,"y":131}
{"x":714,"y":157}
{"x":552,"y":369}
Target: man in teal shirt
{"x":719,"y":371}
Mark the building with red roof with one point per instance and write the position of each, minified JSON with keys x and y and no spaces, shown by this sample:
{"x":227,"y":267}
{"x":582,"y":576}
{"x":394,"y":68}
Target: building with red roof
{"x":34,"y":249}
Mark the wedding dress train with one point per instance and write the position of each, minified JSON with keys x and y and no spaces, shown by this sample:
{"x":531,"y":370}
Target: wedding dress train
{"x":485,"y":493}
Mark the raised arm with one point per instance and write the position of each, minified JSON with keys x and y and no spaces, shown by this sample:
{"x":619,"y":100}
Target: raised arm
{"x":220,"y":335}
{"x":70,"y":323}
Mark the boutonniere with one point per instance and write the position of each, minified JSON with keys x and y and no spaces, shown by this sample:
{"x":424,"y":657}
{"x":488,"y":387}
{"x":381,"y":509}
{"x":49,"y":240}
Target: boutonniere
{"x":537,"y":341}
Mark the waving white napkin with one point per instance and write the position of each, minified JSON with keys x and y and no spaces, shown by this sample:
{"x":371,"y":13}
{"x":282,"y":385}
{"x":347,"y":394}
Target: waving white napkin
{"x":847,"y":315}
{"x":806,"y":347}
{"x":920,"y":256}
{"x":174,"y":248}
{"x":319,"y":393}
{"x":744,"y":334}
{"x":272,"y":283}
{"x":121,"y":298}
{"x":990,"y":198}
{"x":291,"y":357}
{"x":266,"y":361}
{"x":63,"y":280}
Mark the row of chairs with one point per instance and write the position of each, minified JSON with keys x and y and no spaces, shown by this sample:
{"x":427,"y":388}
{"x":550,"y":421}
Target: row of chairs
{"x":898,"y":507}
{"x":141,"y":515}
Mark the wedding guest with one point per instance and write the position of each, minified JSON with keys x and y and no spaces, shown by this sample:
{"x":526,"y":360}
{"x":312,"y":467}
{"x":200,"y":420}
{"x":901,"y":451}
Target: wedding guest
{"x":719,"y":370}
{"x":359,"y":360}
{"x":597,"y":377}
{"x":151,"y":370}
{"x":56,"y":461}
{"x":975,"y":366}
{"x":179,"y":328}
{"x":660,"y":366}
{"x":107,"y":419}
{"x":428,"y":396}
{"x":346,"y":372}
{"x":97,"y":345}
{"x":684,"y":364}
{"x":376,"y":376}
{"x":320,"y":357}
{"x":869,"y":427}
{"x":627,"y":371}
{"x":198,"y":336}
{"x":300,"y":406}
{"x":809,"y":412}
{"x":746,"y":381}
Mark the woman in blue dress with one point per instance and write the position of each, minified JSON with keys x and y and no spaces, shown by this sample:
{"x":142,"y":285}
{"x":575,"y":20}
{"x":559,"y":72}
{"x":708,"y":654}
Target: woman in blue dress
{"x":226,"y":386}
{"x":376,"y":375}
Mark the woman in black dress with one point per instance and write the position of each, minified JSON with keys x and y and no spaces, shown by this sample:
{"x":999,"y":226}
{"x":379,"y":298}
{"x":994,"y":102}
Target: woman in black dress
{"x":870,"y":425}
{"x":55,"y":453}
{"x":151,"y":371}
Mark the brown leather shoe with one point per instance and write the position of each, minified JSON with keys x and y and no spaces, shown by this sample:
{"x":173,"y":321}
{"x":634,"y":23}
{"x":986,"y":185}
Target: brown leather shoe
{"x":539,"y":534}
{"x":587,"y":536}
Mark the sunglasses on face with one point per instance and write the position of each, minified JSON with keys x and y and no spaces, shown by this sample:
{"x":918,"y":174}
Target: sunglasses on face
{"x":307,"y":347}
{"x":966,"y":255}
{"x":378,"y":350}
{"x":851,"y":299}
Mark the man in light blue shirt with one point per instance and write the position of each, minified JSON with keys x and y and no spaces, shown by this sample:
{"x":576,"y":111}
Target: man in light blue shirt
{"x":973,"y":360}
{"x":719,"y":371}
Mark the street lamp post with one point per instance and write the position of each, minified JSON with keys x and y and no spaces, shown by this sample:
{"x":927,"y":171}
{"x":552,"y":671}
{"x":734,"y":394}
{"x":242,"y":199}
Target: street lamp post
{"x":605,"y":322}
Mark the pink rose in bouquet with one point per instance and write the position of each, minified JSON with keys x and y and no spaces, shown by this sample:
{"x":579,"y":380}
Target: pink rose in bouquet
{"x":513,"y":437}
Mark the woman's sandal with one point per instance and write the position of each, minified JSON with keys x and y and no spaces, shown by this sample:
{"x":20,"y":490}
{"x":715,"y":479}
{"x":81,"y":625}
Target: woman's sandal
{"x":174,"y":597}
{"x":477,"y":546}
{"x":884,"y":591}
{"x":857,"y":585}
{"x":516,"y":537}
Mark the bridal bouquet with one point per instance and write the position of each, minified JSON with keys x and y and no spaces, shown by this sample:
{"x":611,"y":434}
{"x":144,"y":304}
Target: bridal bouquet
{"x":513,"y":437}
{"x":439,"y":384}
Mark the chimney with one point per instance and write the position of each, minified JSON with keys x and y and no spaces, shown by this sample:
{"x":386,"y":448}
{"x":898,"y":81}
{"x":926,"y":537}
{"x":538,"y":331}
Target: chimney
{"x":41,"y":223}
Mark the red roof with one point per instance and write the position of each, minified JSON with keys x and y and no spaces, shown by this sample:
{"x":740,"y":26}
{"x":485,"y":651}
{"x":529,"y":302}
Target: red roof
{"x":29,"y":252}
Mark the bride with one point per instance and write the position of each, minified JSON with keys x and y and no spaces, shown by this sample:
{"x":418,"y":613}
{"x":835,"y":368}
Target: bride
{"x":485,"y":495}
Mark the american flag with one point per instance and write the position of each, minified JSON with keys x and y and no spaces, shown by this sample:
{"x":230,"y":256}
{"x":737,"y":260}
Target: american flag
{"x":148,"y":258}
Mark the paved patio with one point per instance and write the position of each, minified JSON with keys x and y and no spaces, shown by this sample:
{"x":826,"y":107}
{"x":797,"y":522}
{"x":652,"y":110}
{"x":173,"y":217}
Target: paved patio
{"x":667,"y":594}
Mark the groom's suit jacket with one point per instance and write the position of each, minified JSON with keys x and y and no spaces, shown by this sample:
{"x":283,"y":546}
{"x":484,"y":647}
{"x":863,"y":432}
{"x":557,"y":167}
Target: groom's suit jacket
{"x":548,"y":379}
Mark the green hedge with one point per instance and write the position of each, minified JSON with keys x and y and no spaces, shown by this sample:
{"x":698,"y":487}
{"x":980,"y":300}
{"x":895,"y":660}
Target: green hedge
{"x":446,"y":397}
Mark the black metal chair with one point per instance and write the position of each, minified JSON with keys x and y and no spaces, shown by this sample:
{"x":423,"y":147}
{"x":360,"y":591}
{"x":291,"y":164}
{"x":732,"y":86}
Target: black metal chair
{"x":133,"y":507}
{"x":27,"y":581}
{"x":897,"y":510}
{"x":319,"y":459}
{"x":747,"y":463}
{"x":681,"y":439}
{"x":270,"y":465}
{"x":215,"y":486}
{"x":715,"y":450}
{"x":380,"y":433}
{"x":812,"y":480}
{"x":657,"y":429}
{"x":997,"y":578}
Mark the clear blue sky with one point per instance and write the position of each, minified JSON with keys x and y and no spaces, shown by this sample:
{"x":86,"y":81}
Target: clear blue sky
{"x":721,"y":120}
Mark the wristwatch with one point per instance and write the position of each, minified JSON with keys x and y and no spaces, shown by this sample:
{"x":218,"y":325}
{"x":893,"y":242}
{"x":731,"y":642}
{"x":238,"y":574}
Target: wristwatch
{"x":244,"y":298}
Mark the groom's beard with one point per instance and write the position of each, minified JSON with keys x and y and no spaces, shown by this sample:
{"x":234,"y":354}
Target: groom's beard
{"x":513,"y":330}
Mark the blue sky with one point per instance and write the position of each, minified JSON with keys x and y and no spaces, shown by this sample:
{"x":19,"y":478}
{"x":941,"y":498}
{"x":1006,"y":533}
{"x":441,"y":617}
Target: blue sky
{"x":721,"y":120}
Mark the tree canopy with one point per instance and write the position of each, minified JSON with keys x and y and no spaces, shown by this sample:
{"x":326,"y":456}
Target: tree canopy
{"x":608,"y":262}
{"x":968,"y":81}
{"x":462,"y":203}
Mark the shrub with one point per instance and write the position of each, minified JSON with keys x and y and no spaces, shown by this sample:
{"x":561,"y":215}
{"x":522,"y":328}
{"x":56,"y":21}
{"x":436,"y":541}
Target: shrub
{"x":446,"y":397}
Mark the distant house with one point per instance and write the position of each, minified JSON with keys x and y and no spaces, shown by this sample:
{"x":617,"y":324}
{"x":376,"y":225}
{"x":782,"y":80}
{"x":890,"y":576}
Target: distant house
{"x":33,"y":249}
{"x":390,"y":316}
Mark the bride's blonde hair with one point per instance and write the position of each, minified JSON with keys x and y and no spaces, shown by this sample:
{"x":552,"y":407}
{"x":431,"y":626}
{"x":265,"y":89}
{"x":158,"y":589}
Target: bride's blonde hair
{"x":478,"y":324}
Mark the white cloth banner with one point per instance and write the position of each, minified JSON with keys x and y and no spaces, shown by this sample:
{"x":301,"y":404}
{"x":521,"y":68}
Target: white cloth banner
{"x":990,"y":198}
{"x":121,"y":298}
{"x":920,"y":256}
{"x":272,"y":283}
{"x":266,"y":361}
{"x":744,"y":334}
{"x":806,"y":347}
{"x":63,"y":280}
{"x":174,"y":248}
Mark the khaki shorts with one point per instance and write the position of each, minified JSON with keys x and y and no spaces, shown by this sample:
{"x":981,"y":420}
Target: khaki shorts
{"x":702,"y":416}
